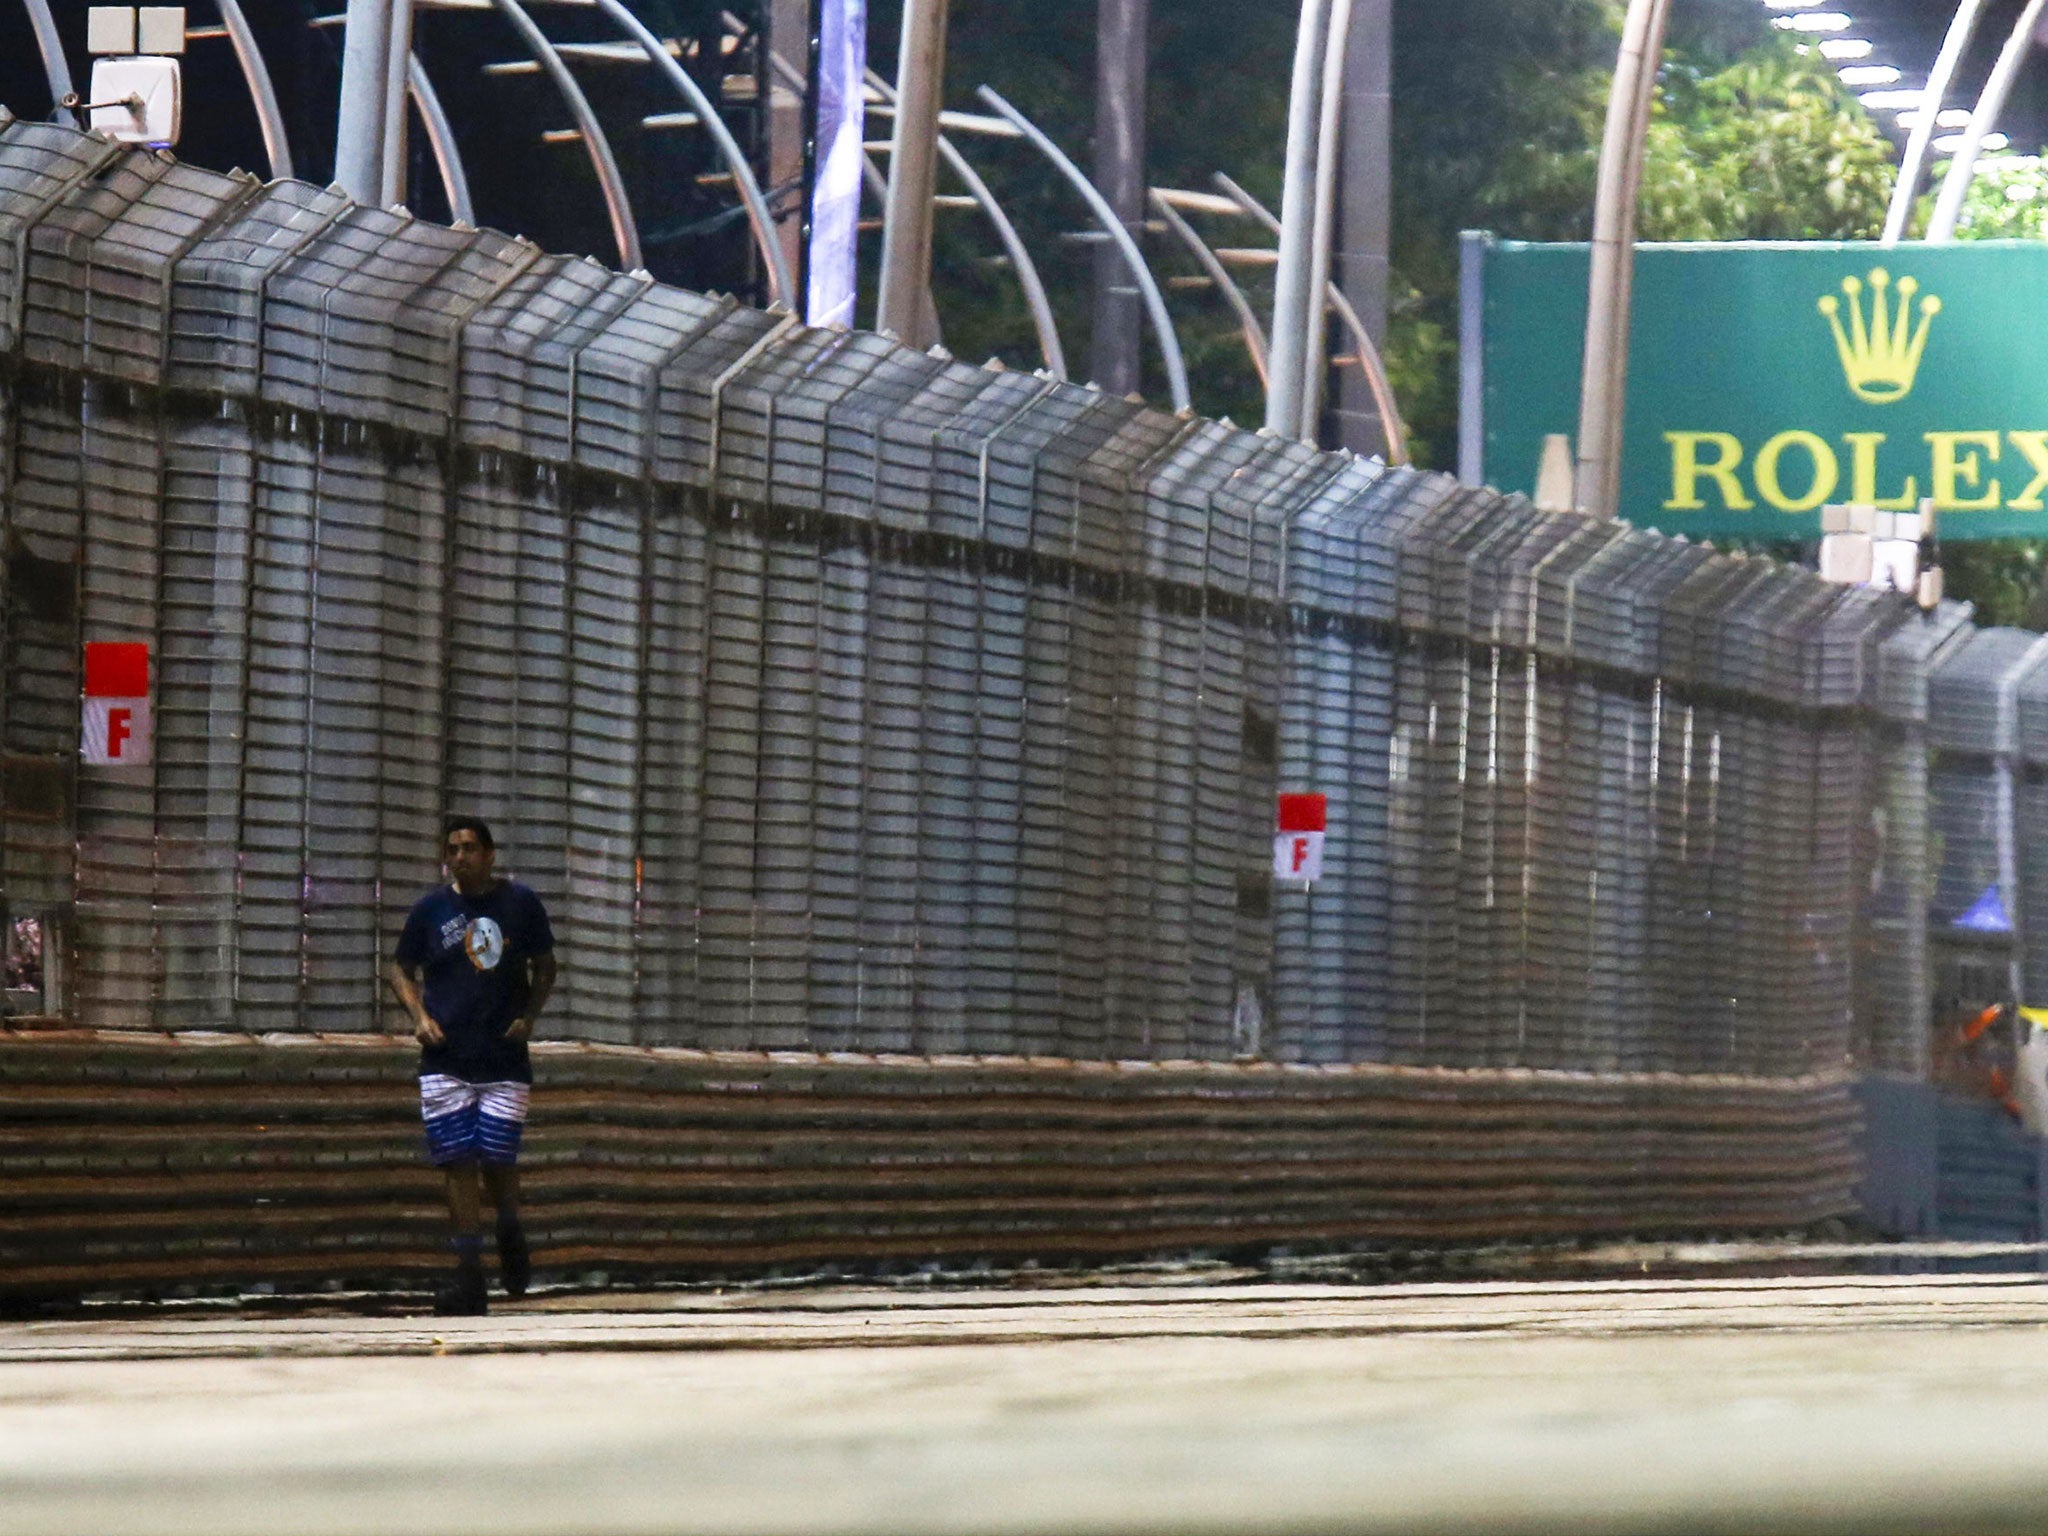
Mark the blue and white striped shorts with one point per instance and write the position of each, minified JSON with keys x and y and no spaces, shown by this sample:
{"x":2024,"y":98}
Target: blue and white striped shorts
{"x":472,"y":1122}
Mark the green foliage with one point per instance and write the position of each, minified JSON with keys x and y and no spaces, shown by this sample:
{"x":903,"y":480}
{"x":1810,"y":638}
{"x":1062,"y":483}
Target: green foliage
{"x":1769,"y":147}
{"x":2007,"y":200}
{"x":2006,"y":578}
{"x":1750,"y":140}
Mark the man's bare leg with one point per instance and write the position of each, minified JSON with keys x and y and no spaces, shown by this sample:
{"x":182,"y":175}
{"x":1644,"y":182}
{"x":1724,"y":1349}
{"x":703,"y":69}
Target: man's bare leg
{"x":465,"y":1217}
{"x":465,"y":1209}
{"x":514,"y":1264}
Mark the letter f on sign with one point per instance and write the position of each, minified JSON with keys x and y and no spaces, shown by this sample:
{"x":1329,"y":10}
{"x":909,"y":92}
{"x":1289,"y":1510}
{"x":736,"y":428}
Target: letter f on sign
{"x":118,"y":729}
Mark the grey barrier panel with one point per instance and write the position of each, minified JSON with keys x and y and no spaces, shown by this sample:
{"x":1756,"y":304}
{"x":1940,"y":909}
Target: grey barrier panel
{"x":771,"y":424}
{"x":774,"y":451}
{"x":686,"y":410}
{"x":1896,"y":1018}
{"x":1200,"y":742}
{"x":269,"y":913}
{"x":1309,"y":690}
{"x":607,"y":618}
{"x":496,"y":344}
{"x":44,"y":552}
{"x":76,"y":282}
{"x":618,"y":378}
{"x":1072,"y":518}
{"x":60,"y":257}
{"x":668,"y":1010}
{"x":364,"y":321}
{"x":1973,"y":727}
{"x":885,"y":429}
{"x":955,"y":487}
{"x":519,"y":352}
{"x":1436,"y":718}
{"x":114,"y":923}
{"x":1144,"y":676}
{"x":945,"y":447}
{"x":1455,"y":604}
{"x":216,"y":322}
{"x":1250,"y":514}
{"x":893,"y":777}
{"x":202,"y":681}
{"x":424,"y":609}
{"x":1474,"y":574}
{"x":2030,"y":832}
{"x":355,"y":507}
{"x":1560,"y":729}
{"x":39,"y":164}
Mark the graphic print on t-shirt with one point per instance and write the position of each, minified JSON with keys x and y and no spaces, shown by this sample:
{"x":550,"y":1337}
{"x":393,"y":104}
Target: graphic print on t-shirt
{"x":484,"y":942}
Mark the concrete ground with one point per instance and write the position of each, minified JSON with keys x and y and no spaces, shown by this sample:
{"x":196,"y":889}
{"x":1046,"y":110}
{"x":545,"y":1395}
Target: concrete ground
{"x":1853,"y":1405}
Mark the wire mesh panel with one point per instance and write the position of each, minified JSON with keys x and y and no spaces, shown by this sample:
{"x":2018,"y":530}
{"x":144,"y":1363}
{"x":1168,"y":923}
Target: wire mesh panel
{"x":1192,"y":998}
{"x":842,"y":697}
{"x":216,"y":324}
{"x":607,"y":603}
{"x":1237,"y":737}
{"x":520,"y":350}
{"x":671,"y":810}
{"x":202,"y":691}
{"x":44,"y":555}
{"x":39,"y":165}
{"x":100,"y":263}
{"x":114,"y":923}
{"x":344,"y":734}
{"x":1153,"y":688}
{"x":269,"y":911}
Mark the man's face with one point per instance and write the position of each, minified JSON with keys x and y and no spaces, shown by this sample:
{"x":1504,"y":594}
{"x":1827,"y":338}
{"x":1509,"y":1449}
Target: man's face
{"x":468,"y":860}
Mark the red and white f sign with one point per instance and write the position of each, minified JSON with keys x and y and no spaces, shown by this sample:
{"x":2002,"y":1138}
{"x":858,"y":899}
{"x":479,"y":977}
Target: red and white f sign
{"x":117,"y":724}
{"x":1298,"y":845}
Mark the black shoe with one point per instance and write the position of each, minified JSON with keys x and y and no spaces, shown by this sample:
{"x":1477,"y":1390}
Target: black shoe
{"x":464,"y":1296}
{"x":515,"y":1265}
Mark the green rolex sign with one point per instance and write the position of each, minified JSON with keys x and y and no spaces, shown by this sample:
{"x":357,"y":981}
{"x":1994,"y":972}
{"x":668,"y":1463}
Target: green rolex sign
{"x":1767,"y":381}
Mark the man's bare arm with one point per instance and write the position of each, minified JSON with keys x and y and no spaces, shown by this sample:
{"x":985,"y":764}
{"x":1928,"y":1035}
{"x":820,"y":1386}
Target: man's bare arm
{"x":407,"y":986}
{"x":540,"y":975}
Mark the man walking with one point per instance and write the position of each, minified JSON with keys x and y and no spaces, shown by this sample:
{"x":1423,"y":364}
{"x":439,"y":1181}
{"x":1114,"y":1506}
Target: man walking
{"x":474,"y":967}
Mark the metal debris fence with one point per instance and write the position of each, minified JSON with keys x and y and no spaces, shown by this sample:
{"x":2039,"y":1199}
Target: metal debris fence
{"x":840,"y":697}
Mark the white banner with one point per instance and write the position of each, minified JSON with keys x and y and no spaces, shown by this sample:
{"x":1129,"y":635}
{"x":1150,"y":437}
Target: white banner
{"x":117,"y":733}
{"x":1298,"y":856}
{"x":835,"y":193}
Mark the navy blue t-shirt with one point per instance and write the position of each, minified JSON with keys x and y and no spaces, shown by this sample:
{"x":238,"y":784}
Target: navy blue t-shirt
{"x":471,"y":953}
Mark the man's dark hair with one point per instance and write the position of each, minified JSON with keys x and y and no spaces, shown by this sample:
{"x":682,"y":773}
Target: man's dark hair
{"x":476,"y":824}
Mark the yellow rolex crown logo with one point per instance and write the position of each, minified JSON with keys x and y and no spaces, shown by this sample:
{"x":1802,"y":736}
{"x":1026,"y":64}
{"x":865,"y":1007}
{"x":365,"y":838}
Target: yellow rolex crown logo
{"x":1880,"y":355}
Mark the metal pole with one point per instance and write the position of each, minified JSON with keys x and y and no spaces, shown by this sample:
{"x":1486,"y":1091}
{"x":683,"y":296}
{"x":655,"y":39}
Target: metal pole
{"x":1013,"y":243}
{"x":1315,"y":332}
{"x":1369,"y":360}
{"x":441,"y":140}
{"x":624,"y":232}
{"x":56,"y":69}
{"x":1962,"y":170}
{"x":1217,"y":273}
{"x":913,"y":165}
{"x":1604,"y":374}
{"x":277,"y":147}
{"x":1155,"y":304}
{"x":780,"y":289}
{"x":1962,"y":26}
{"x":1375,"y":376}
{"x":392,"y":187}
{"x":359,"y":129}
{"x":1291,"y":280}
{"x":1121,"y":61}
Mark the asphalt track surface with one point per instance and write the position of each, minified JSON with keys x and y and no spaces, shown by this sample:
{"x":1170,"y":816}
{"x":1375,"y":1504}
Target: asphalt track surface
{"x":1869,"y":1404}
